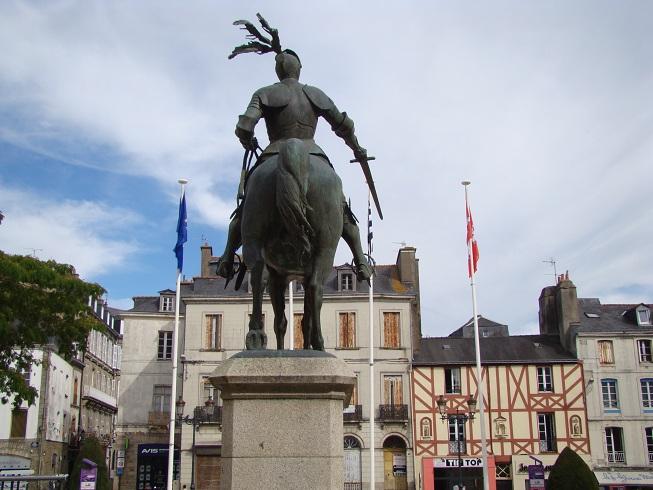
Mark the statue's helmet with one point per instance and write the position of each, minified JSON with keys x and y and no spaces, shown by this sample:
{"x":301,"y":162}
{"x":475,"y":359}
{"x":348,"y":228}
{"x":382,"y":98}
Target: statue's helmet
{"x":288,"y":64}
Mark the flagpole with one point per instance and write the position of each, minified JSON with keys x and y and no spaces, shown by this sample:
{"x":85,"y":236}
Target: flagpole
{"x":371,"y":301}
{"x":175,"y":342}
{"x":477,"y":346}
{"x":292,"y":315}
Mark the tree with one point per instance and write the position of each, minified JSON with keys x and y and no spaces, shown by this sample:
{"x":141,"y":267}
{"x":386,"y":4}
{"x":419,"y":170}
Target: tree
{"x":40,"y":303}
{"x":570,"y":472}
{"x":91,"y":449}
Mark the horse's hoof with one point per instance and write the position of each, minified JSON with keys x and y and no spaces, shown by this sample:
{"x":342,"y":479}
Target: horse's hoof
{"x":256,"y":340}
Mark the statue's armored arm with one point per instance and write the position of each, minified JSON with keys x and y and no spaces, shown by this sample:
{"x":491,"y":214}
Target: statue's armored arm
{"x":247,"y":122}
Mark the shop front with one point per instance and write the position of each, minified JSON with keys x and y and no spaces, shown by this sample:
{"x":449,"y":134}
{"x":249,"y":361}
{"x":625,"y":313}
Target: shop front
{"x":451,"y":473}
{"x":624,"y":480}
{"x":152,"y":471}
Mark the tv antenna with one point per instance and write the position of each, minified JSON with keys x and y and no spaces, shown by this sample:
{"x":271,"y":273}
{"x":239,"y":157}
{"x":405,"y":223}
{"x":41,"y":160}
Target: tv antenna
{"x":34,"y":250}
{"x":552,"y":262}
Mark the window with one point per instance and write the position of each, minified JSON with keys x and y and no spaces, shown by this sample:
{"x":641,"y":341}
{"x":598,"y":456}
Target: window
{"x":643,"y":315}
{"x":167,"y":303}
{"x":354,"y":393}
{"x":347,"y":330}
{"x":606,"y":355}
{"x":546,"y":429}
{"x":161,"y":398}
{"x":426,"y":428}
{"x":392,"y":390}
{"x":208,"y":390}
{"x":544,"y":379}
{"x":452,"y":380}
{"x":647,"y":393}
{"x":391,"y":331}
{"x":213,"y":332}
{"x":75,"y":391}
{"x":299,"y":333}
{"x":18,"y":423}
{"x":649,"y":443}
{"x":165,"y":345}
{"x":614,"y":445}
{"x":347,"y":281}
{"x":609,"y":395}
{"x":457,"y":436}
{"x":644,"y":349}
{"x":503,"y":471}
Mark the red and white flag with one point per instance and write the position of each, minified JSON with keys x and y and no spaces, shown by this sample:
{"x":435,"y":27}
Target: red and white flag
{"x":472,"y":247}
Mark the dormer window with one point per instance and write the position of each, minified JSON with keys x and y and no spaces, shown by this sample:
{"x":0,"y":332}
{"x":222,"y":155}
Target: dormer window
{"x":643,"y":315}
{"x":167,"y":303}
{"x":347,"y":281}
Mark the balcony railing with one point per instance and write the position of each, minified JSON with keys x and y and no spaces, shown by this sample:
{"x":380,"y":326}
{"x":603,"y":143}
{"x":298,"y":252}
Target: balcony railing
{"x":453,"y":447}
{"x":393,"y":413}
{"x":618,"y":457}
{"x":548,"y":446}
{"x":353,"y":413}
{"x":202,"y":415}
{"x":158,"y":418}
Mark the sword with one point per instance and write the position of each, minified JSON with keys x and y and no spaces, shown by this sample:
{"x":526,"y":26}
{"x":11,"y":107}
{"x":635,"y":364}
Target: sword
{"x":370,"y":181}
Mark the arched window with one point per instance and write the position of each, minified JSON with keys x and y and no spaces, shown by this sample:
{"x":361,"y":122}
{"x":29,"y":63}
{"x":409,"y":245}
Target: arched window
{"x":353,"y":473}
{"x":426,"y":428}
{"x":351,"y":443}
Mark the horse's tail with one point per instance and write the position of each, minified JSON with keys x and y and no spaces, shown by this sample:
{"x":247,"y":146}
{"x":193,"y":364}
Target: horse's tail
{"x":292,"y":184}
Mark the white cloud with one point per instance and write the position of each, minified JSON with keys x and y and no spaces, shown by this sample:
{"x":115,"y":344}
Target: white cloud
{"x":80,"y":233}
{"x":546,"y":108}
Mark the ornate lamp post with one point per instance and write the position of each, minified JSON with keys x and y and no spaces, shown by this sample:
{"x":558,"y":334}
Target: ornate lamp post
{"x":460,"y":417}
{"x":198,"y":418}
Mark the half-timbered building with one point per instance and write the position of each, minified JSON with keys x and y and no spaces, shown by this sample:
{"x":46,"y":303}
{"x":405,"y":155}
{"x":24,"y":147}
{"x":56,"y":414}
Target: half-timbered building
{"x":533,"y":399}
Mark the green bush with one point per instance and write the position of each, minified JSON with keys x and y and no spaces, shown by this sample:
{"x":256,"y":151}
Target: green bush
{"x":91,"y":449}
{"x":570,"y":472}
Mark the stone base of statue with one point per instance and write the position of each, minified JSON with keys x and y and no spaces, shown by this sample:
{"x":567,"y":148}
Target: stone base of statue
{"x":282,"y":419}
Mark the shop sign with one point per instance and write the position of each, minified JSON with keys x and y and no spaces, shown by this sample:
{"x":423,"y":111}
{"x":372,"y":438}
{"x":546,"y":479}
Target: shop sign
{"x":455,"y":463}
{"x":536,"y":477}
{"x":624,"y":477}
{"x":523,"y":468}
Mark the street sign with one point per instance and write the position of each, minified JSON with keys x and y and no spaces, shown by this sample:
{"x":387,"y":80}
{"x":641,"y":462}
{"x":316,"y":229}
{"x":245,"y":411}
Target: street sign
{"x":536,"y":477}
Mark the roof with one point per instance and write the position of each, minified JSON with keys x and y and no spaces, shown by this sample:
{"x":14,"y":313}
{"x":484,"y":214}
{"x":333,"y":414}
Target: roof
{"x":482,"y":323}
{"x":386,"y":282}
{"x":517,"y":349}
{"x":595,"y":317}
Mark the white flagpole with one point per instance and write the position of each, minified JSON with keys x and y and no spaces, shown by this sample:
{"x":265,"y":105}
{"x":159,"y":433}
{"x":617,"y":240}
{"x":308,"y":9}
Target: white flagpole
{"x":477,"y":346}
{"x":292,"y":314}
{"x":173,"y":388}
{"x":372,"y":408}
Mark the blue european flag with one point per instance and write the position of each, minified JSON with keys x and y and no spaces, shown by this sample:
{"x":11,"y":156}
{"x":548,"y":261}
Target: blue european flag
{"x":182,"y":233}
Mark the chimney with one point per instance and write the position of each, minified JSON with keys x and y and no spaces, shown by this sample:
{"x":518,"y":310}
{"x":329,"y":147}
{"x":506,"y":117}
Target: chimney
{"x":559,"y":310}
{"x":206,"y":252}
{"x":407,"y":265}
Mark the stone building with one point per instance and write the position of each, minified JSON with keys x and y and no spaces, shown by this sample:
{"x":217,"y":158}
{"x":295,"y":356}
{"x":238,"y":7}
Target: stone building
{"x":213,"y":325}
{"x":614,"y":343}
{"x":73,"y":401}
{"x":534,"y":406}
{"x":96,"y":380}
{"x":34,"y":439}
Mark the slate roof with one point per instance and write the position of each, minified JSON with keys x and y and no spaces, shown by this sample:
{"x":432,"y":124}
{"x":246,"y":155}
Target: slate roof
{"x":517,"y":349}
{"x":595,"y":317}
{"x":386,"y":282}
{"x":482,"y":322}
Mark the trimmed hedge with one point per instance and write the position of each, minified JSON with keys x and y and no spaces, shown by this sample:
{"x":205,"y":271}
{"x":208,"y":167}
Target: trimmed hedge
{"x":570,"y":472}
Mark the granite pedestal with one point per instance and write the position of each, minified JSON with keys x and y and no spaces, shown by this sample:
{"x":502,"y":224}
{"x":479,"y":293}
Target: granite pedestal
{"x":282,"y":419}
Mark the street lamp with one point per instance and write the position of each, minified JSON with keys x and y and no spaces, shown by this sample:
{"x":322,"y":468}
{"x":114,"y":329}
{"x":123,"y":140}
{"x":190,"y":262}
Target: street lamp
{"x":199,"y":417}
{"x":458,"y":417}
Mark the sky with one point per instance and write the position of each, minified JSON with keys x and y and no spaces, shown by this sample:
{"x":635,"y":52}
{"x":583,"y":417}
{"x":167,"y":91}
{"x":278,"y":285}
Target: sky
{"x":545,"y":107}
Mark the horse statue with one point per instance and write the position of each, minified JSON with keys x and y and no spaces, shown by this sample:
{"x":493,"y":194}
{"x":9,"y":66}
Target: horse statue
{"x":292,"y":211}
{"x":292,"y":221}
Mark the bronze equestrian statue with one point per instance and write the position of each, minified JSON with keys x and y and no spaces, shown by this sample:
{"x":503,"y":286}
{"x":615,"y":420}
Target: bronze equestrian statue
{"x":293,"y":210}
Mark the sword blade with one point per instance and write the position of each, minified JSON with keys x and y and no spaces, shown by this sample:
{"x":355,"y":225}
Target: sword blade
{"x":370,"y":182}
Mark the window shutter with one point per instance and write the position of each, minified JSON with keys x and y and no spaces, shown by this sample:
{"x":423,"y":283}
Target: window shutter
{"x":391,"y":329}
{"x":299,"y":334}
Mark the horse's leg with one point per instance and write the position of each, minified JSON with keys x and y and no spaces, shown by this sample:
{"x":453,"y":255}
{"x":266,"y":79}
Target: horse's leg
{"x":315,"y":292}
{"x":256,"y":337}
{"x":277,"y":286}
